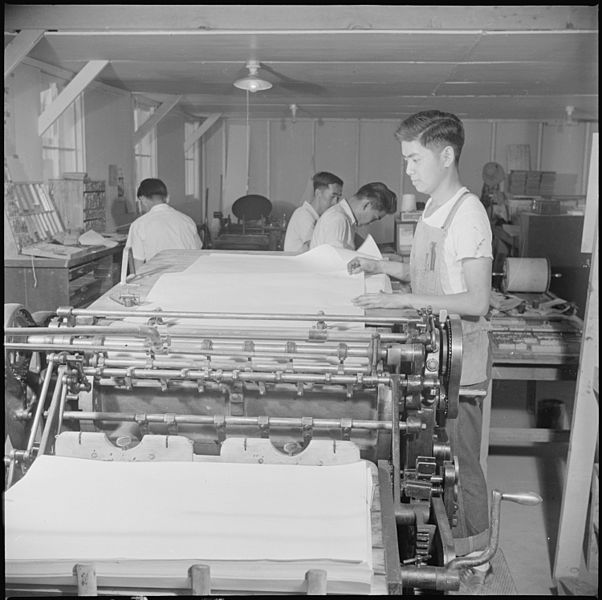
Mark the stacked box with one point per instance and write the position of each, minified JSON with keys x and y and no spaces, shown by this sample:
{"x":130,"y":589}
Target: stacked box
{"x":533,"y":180}
{"x":531,"y":183}
{"x":548,"y":180}
{"x":517,"y":181}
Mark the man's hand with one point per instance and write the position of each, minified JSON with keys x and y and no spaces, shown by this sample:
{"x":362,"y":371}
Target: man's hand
{"x":381,"y":300}
{"x":367,"y":265}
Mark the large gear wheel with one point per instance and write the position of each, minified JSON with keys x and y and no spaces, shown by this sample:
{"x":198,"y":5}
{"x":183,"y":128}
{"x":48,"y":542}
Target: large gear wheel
{"x":21,"y":384}
{"x":454,"y":365}
{"x":18,"y":361}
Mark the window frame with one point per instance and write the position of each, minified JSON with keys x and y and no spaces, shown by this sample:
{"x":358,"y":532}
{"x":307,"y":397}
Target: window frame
{"x":192,"y":163}
{"x":146,"y":149}
{"x":63,"y":142}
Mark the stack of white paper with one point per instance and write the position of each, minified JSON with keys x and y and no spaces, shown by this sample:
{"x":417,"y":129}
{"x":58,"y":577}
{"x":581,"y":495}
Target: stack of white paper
{"x":311,"y":283}
{"x":259,"y":527}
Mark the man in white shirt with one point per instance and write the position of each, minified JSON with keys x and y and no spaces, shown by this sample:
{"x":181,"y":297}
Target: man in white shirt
{"x":160,"y":227}
{"x":337,"y":226}
{"x":327,"y":192}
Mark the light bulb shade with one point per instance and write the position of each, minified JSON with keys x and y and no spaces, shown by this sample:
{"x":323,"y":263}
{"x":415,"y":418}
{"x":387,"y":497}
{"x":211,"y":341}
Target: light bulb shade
{"x":252,"y":84}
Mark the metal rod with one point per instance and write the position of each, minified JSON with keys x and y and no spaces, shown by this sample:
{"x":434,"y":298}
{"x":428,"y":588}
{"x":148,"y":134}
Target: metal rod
{"x":270,"y":374}
{"x":191,"y":331}
{"x":301,"y":350}
{"x":40,"y":406}
{"x":144,"y":331}
{"x":395,"y":441}
{"x":53,"y":408}
{"x":300,"y":347}
{"x":88,"y":345}
{"x":252,"y":366}
{"x":76,"y":346}
{"x":282,"y":355}
{"x":232,"y":375}
{"x":61,"y":408}
{"x":68,"y":311}
{"x":242,"y":335}
{"x":228,"y":420}
{"x":389,"y":531}
{"x":430,"y":578}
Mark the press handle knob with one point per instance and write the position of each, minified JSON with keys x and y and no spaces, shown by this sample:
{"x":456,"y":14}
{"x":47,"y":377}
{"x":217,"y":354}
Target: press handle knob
{"x":526,"y":498}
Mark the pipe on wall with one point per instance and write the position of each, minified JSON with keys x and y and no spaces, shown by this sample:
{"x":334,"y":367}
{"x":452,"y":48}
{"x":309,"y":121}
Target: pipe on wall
{"x":493,"y":141}
{"x":539,"y":147}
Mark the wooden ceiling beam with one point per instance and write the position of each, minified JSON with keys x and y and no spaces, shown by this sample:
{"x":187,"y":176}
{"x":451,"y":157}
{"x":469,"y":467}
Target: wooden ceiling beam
{"x":205,"y":126}
{"x":73,"y":89}
{"x":274,"y":17}
{"x":19,"y":47}
{"x":155,"y":118}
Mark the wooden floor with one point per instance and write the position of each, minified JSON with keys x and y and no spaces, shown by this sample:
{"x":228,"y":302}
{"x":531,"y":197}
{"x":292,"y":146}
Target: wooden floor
{"x":501,"y":584}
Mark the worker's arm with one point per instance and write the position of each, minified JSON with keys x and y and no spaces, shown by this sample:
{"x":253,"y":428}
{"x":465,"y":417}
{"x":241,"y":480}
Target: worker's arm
{"x":137,"y":264}
{"x":392,"y":268}
{"x":473,"y":302}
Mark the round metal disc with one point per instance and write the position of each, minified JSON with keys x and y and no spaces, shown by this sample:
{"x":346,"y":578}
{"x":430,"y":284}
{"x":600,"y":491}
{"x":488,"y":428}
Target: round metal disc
{"x":251,"y":207}
{"x":454,"y":362}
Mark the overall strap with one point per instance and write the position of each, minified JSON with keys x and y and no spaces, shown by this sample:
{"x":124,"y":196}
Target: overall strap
{"x":454,"y":210}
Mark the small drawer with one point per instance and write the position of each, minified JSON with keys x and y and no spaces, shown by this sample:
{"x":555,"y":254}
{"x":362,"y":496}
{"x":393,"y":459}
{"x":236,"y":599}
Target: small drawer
{"x":81,"y":282}
{"x":80,"y":270}
{"x":86,"y":294}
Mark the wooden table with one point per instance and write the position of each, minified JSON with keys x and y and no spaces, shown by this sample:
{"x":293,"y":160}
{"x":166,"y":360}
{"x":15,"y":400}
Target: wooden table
{"x":531,"y":368}
{"x":42,"y":284}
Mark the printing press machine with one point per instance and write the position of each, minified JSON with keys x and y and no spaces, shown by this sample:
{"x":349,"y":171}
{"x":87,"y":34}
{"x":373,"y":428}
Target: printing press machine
{"x":388,"y":389}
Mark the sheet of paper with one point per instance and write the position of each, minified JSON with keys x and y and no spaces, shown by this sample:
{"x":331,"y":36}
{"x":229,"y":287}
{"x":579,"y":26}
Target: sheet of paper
{"x":324,"y":258}
{"x":369,"y":248}
{"x":258,"y":292}
{"x":93,"y":238}
{"x":68,"y":510}
{"x":314,"y":282}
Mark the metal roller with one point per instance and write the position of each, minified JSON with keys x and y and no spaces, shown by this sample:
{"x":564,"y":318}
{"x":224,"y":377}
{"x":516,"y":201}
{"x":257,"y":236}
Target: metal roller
{"x":528,"y":275}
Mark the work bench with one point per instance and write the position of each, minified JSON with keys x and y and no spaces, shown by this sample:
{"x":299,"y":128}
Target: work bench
{"x":557,"y":362}
{"x":42,"y":284}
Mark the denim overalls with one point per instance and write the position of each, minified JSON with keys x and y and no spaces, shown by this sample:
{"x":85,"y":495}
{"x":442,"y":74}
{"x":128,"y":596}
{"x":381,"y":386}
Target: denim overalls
{"x":426,"y":266}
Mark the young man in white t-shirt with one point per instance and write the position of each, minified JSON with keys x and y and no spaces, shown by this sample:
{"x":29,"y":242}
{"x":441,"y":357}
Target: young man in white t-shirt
{"x":450,"y":268}
{"x":328,"y":189}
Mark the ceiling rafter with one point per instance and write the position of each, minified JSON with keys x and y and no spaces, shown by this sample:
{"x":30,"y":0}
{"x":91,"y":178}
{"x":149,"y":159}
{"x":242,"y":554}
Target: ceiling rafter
{"x":73,"y":89}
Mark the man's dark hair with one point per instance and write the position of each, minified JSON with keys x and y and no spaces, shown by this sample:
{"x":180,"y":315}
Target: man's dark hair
{"x":380,"y":196}
{"x":323,"y":179}
{"x":152,"y":187}
{"x":434,"y":128}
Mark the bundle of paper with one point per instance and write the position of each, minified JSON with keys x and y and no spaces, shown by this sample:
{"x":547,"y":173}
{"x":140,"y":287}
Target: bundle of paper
{"x":259,"y":527}
{"x":311,"y":283}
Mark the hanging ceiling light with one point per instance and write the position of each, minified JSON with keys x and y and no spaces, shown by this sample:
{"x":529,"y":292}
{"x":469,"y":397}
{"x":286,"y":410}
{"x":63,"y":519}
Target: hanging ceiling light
{"x":252,"y":83}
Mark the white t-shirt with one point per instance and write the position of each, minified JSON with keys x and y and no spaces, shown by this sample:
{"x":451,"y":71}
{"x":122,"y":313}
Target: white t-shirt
{"x":468,"y":236}
{"x":300,"y":228}
{"x":336,"y":227}
{"x":162,"y":228}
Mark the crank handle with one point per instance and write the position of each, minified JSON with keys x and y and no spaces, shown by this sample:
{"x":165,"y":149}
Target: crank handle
{"x":524,"y":498}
